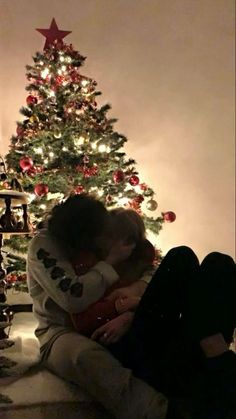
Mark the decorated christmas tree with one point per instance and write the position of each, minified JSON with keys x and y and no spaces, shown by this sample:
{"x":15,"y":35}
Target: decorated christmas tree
{"x":66,"y":143}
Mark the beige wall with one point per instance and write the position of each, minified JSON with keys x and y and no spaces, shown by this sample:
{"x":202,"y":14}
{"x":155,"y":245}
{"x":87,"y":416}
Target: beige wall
{"x":167,"y":68}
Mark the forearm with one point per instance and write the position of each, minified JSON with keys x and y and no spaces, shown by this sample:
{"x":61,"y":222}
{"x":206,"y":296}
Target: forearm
{"x":127,"y":317}
{"x":49,"y":270}
{"x":138,"y":288}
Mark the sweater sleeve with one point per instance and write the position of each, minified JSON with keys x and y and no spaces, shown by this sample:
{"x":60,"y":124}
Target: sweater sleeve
{"x":49,"y":271}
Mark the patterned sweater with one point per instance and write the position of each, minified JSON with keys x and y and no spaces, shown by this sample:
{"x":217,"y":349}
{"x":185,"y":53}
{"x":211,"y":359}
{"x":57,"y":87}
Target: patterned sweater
{"x":57,"y":291}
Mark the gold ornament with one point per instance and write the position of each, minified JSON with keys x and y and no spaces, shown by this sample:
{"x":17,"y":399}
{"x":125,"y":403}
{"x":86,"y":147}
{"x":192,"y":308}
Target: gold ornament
{"x":33,"y":119}
{"x":57,"y":133}
{"x":152,"y":205}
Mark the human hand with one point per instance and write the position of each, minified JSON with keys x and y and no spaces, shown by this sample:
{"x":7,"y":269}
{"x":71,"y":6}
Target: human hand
{"x":119,"y":251}
{"x":113,"y":330}
{"x":124,"y":292}
{"x":125,"y":304}
{"x":136,"y":289}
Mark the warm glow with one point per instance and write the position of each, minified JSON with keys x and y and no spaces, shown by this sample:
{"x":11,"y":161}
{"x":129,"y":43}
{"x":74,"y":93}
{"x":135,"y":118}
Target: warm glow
{"x":84,"y":83}
{"x":38,"y":150}
{"x":45,"y":73}
{"x":102,"y":148}
{"x":79,"y":141}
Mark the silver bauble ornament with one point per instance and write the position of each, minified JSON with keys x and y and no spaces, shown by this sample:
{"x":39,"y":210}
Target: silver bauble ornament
{"x":152,"y":205}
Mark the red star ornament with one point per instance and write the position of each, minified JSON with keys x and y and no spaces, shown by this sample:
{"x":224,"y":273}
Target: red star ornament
{"x":53,"y":34}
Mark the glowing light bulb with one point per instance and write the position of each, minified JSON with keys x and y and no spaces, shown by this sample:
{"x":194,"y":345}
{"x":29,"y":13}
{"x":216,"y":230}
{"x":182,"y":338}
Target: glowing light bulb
{"x":102,"y":148}
{"x":44,"y":73}
{"x":51,"y":93}
{"x":43,"y":206}
{"x":68,"y":59}
{"x":63,"y":68}
{"x":31,"y":197}
{"x":79,"y":111}
{"x":45,"y":161}
{"x":38,"y":150}
{"x":108,"y":149}
{"x":51,"y":154}
{"x":64,"y":148}
{"x":100,"y":192}
{"x":62,"y":58}
{"x":59,"y":72}
{"x":94,"y":146}
{"x":84,"y":83}
{"x":79,"y":141}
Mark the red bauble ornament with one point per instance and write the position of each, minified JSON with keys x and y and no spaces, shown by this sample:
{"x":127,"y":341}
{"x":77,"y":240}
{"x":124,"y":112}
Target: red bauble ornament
{"x":79,"y":189}
{"x":135,"y":205}
{"x":59,"y":80}
{"x":109,"y":199}
{"x":41,"y":189}
{"x":134,"y":180}
{"x":11,"y":279}
{"x":31,"y":100}
{"x":26,"y":163}
{"x":75,"y":77}
{"x":118,"y":176}
{"x":143,"y":186}
{"x":169,"y":216}
{"x":20,"y":131}
{"x":31,"y":171}
{"x":6,"y":185}
{"x":139,"y":199}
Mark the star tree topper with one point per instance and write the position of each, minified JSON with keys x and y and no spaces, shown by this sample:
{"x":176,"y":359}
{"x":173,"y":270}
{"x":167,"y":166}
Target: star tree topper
{"x":53,"y":34}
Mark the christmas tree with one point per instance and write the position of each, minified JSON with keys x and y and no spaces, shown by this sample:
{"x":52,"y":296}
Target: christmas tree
{"x":66,"y":143}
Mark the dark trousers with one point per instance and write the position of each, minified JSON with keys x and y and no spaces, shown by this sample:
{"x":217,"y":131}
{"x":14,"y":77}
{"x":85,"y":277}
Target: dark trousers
{"x":185,"y":302}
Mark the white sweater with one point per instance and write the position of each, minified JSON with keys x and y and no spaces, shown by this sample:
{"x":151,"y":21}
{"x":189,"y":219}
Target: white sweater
{"x":57,"y":291}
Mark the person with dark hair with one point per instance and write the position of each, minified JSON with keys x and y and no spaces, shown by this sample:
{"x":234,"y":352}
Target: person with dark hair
{"x":79,"y":225}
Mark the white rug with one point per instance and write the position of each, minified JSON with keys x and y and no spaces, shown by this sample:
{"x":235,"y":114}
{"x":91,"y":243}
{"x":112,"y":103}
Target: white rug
{"x":26,"y":383}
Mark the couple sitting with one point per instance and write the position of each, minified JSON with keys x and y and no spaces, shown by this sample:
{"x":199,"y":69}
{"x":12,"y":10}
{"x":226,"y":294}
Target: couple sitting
{"x":135,"y":273}
{"x":154,"y":340}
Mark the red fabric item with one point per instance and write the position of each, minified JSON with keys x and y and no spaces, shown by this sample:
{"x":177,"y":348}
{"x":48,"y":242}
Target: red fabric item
{"x":100,"y":312}
{"x":95,"y":316}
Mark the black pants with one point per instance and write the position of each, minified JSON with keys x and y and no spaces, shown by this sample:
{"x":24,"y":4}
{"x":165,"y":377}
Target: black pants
{"x":184,"y":303}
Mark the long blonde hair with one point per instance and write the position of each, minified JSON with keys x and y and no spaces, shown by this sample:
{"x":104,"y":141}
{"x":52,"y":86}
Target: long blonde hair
{"x":127,"y":224}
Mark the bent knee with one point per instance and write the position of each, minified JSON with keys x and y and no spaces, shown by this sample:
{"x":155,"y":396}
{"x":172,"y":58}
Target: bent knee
{"x":182,"y":251}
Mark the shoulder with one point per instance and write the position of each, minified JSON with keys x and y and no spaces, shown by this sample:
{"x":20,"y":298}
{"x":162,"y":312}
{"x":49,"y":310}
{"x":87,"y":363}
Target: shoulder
{"x":42,"y":242}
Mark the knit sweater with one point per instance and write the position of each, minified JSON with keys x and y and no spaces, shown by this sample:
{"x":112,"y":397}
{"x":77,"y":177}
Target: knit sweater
{"x":57,"y":291}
